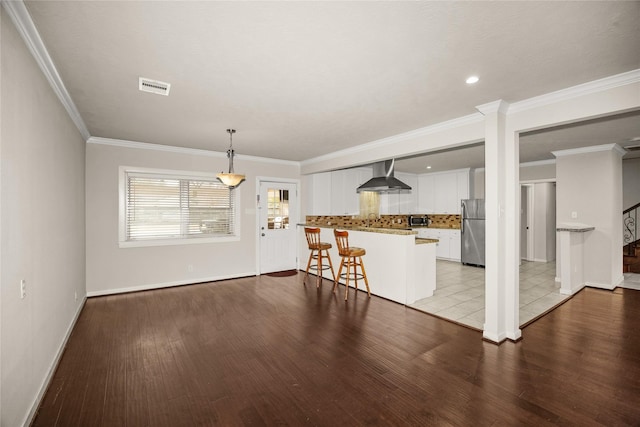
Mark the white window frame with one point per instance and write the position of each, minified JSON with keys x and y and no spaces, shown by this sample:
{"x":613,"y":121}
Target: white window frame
{"x":172,"y":174}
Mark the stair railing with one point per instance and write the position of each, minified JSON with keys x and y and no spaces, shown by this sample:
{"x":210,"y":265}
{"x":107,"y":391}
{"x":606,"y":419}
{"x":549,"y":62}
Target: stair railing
{"x":630,"y":228}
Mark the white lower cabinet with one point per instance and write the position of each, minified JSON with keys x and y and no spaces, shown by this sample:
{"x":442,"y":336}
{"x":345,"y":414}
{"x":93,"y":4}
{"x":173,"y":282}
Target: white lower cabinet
{"x":454,"y":245}
{"x":448,"y":246}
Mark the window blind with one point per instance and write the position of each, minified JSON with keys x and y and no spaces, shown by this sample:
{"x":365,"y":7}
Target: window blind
{"x":165,"y":207}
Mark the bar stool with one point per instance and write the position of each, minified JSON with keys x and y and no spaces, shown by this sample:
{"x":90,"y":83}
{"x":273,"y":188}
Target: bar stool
{"x":349,"y":254}
{"x":317,"y":248}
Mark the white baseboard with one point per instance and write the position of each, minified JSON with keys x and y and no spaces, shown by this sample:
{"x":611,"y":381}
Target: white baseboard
{"x":167,"y":284}
{"x":52,"y":368}
{"x":619,"y":281}
{"x":573,"y":290}
{"x":606,"y":286}
{"x":496,"y":338}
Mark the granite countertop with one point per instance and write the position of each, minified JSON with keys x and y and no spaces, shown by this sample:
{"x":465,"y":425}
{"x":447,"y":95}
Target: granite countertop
{"x":397,"y":231}
{"x":434,"y":227}
{"x":420,"y":241}
{"x":575,"y":227}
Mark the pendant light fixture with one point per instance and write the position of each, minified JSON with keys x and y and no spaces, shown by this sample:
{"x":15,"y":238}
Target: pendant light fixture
{"x":230,"y":179}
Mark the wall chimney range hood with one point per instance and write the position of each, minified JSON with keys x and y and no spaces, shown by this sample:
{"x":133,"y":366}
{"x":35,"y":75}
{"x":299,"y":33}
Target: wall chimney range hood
{"x":383,"y":180}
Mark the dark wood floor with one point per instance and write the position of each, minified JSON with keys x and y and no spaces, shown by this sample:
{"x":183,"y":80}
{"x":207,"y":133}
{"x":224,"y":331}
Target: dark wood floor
{"x":265,"y":351}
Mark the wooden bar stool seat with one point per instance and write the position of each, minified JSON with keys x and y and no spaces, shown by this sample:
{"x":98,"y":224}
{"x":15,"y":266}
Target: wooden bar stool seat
{"x":319,"y":251}
{"x":352,"y":256}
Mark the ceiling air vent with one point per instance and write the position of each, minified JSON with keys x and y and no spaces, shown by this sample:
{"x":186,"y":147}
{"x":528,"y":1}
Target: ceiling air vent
{"x":633,"y":147}
{"x":154,"y":86}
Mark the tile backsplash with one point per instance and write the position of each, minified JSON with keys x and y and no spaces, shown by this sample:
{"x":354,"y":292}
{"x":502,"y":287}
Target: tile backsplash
{"x":383,"y":221}
{"x":445,"y":221}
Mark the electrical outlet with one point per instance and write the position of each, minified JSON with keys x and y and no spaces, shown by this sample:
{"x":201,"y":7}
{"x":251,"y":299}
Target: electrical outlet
{"x":75,"y":295}
{"x":190,"y":268}
{"x":574,"y":214}
{"x":23,"y":288}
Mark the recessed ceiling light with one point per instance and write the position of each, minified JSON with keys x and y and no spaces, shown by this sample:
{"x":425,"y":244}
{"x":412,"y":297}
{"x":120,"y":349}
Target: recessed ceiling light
{"x":473,"y":79}
{"x":428,"y":167}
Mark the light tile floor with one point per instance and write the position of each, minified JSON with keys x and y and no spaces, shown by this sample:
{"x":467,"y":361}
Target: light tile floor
{"x":459,"y":294}
{"x":631,"y":281}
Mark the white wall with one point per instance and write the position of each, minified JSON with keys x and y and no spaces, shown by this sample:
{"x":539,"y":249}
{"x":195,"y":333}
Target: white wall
{"x":538,"y":171}
{"x":528,"y":172}
{"x":42,"y":229}
{"x":112,"y":269}
{"x":590,"y":184}
{"x":630,"y":182}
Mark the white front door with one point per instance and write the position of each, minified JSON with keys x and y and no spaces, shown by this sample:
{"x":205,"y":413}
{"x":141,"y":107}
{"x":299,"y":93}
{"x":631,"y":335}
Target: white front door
{"x":277,"y":211}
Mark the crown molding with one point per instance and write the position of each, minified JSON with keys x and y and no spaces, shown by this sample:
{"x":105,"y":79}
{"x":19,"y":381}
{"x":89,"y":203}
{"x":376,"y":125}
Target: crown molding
{"x":391,"y":140}
{"x":588,"y":88}
{"x":591,"y":149}
{"x":538,"y":163}
{"x":529,"y":164}
{"x":498,"y":106}
{"x":122,"y":143}
{"x":18,"y":13}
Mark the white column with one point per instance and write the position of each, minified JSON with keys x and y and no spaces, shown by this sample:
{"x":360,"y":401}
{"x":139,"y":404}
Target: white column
{"x":502,"y":239}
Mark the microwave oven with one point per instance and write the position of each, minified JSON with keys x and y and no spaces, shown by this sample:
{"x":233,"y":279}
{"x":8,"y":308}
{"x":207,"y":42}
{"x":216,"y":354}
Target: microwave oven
{"x":418,"y":220}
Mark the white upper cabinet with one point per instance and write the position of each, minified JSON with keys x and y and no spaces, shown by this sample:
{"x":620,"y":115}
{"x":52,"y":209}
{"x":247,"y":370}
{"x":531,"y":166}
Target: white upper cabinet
{"x":344,"y":183}
{"x":401,"y":203}
{"x":408,"y":201}
{"x":338,"y":193}
{"x":441,"y":192}
{"x":464,"y":185}
{"x":426,"y":194}
{"x":446,"y":192}
{"x":319,"y":200}
{"x":334,"y":193}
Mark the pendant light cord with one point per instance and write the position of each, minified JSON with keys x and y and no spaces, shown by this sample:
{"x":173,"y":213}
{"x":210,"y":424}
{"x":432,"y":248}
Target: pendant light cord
{"x":230,"y":152}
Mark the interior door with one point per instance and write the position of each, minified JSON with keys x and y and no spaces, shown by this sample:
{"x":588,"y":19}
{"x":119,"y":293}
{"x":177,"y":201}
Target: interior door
{"x":278,"y":216}
{"x":526,"y":223}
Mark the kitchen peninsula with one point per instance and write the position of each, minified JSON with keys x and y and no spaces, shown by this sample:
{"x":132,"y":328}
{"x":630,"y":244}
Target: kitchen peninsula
{"x":399,"y":266}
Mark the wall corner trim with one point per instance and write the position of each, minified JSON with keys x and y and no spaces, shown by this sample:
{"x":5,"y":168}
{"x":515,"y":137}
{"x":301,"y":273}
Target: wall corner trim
{"x":498,"y":106}
{"x":19,"y":14}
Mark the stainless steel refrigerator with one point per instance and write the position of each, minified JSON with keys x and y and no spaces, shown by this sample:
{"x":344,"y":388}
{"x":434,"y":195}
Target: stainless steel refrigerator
{"x":472,"y":232}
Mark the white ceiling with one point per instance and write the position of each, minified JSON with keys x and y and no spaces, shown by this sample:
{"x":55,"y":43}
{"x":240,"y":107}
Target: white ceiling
{"x":302,"y":79}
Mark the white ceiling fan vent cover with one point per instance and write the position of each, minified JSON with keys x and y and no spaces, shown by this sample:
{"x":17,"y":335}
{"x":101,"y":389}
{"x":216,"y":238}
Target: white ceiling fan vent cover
{"x":154,"y":86}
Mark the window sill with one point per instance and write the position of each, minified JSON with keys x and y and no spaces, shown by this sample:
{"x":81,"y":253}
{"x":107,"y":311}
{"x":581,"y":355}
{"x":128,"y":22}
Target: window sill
{"x":174,"y":242}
